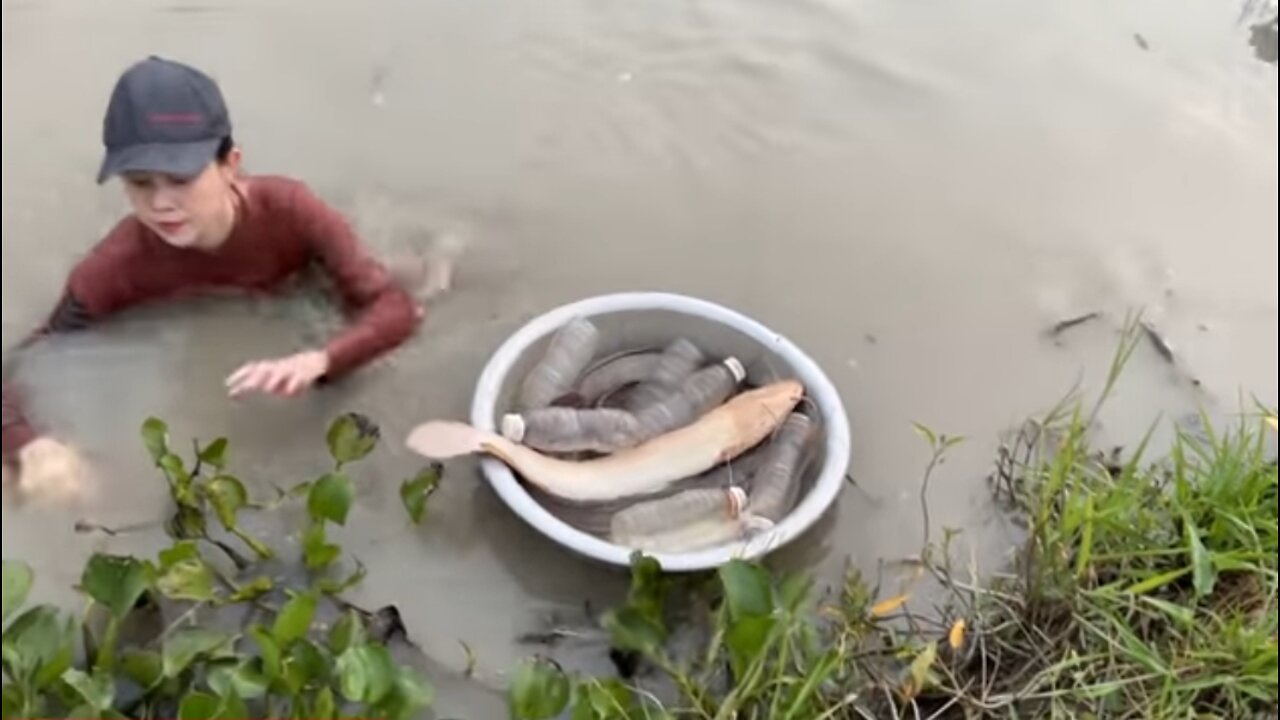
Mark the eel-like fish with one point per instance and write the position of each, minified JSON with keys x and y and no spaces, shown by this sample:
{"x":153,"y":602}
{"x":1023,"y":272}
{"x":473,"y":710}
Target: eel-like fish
{"x":721,"y":435}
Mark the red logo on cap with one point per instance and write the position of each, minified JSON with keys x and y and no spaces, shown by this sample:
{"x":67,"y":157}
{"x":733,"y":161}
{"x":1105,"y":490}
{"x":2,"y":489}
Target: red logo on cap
{"x":175,"y":118}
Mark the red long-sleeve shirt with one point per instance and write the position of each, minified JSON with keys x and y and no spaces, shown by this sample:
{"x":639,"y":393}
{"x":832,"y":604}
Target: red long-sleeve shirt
{"x":281,"y":227}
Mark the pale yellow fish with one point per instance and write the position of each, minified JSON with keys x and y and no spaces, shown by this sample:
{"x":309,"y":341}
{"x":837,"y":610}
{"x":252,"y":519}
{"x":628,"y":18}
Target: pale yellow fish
{"x":717,"y":437}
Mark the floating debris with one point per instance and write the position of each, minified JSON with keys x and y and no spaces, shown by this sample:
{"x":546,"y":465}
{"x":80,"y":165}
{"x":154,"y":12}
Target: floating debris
{"x":549,"y":638}
{"x":1065,"y":325}
{"x":84,"y":527}
{"x":1161,"y":345}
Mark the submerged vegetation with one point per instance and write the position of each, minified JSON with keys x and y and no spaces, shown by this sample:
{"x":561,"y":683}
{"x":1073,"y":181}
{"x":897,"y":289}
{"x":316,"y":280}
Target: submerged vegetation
{"x":1146,"y":586}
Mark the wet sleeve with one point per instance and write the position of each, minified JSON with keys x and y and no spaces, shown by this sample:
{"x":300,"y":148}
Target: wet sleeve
{"x":69,"y":315}
{"x":384,"y":314}
{"x":99,"y":285}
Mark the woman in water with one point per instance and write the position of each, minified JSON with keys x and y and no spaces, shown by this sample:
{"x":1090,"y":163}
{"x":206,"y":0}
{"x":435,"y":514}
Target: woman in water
{"x":198,"y":225}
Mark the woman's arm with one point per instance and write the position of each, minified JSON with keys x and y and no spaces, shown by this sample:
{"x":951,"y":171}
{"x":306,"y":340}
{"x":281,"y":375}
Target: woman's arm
{"x":384,"y":313}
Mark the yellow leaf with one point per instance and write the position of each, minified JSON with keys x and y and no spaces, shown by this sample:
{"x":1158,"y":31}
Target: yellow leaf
{"x":956,"y":636}
{"x":920,"y":668}
{"x":884,"y":607}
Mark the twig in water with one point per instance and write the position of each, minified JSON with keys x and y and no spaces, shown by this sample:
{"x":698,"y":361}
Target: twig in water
{"x":1065,"y":325}
{"x":470,"y":655}
{"x":942,"y":711}
{"x":860,"y":711}
{"x":549,"y":637}
{"x":240,"y":561}
{"x":1161,"y":345}
{"x":924,"y":493}
{"x":190,"y":613}
{"x":84,"y":526}
{"x":888,"y":694}
{"x":848,"y":477}
{"x":195,"y":448}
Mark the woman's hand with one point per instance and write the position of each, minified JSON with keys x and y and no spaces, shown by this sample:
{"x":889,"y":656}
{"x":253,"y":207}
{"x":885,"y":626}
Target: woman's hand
{"x":283,"y":376}
{"x":51,"y":471}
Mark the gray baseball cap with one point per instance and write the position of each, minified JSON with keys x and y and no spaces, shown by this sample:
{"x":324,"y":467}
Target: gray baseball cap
{"x":164,"y":117}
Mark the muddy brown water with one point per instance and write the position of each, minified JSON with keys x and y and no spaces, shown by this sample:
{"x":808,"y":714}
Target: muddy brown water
{"x":912,"y":191}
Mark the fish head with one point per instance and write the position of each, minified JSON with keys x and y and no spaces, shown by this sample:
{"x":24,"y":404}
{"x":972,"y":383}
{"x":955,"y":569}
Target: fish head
{"x":780,"y":398}
{"x":772,"y":404}
{"x":757,"y":413}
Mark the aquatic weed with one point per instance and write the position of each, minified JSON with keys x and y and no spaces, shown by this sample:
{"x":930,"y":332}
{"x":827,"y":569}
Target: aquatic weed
{"x":153,"y":641}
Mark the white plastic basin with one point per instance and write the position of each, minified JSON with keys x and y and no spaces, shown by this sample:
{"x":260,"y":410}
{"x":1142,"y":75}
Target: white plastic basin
{"x":636,"y":319}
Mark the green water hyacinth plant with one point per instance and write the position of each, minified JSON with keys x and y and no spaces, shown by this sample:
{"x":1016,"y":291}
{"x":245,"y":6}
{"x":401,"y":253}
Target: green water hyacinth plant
{"x":207,"y":629}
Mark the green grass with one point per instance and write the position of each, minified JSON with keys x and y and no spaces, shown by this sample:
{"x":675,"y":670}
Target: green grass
{"x":1146,"y":589}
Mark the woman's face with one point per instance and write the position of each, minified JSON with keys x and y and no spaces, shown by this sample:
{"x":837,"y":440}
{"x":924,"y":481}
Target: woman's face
{"x":195,"y":212}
